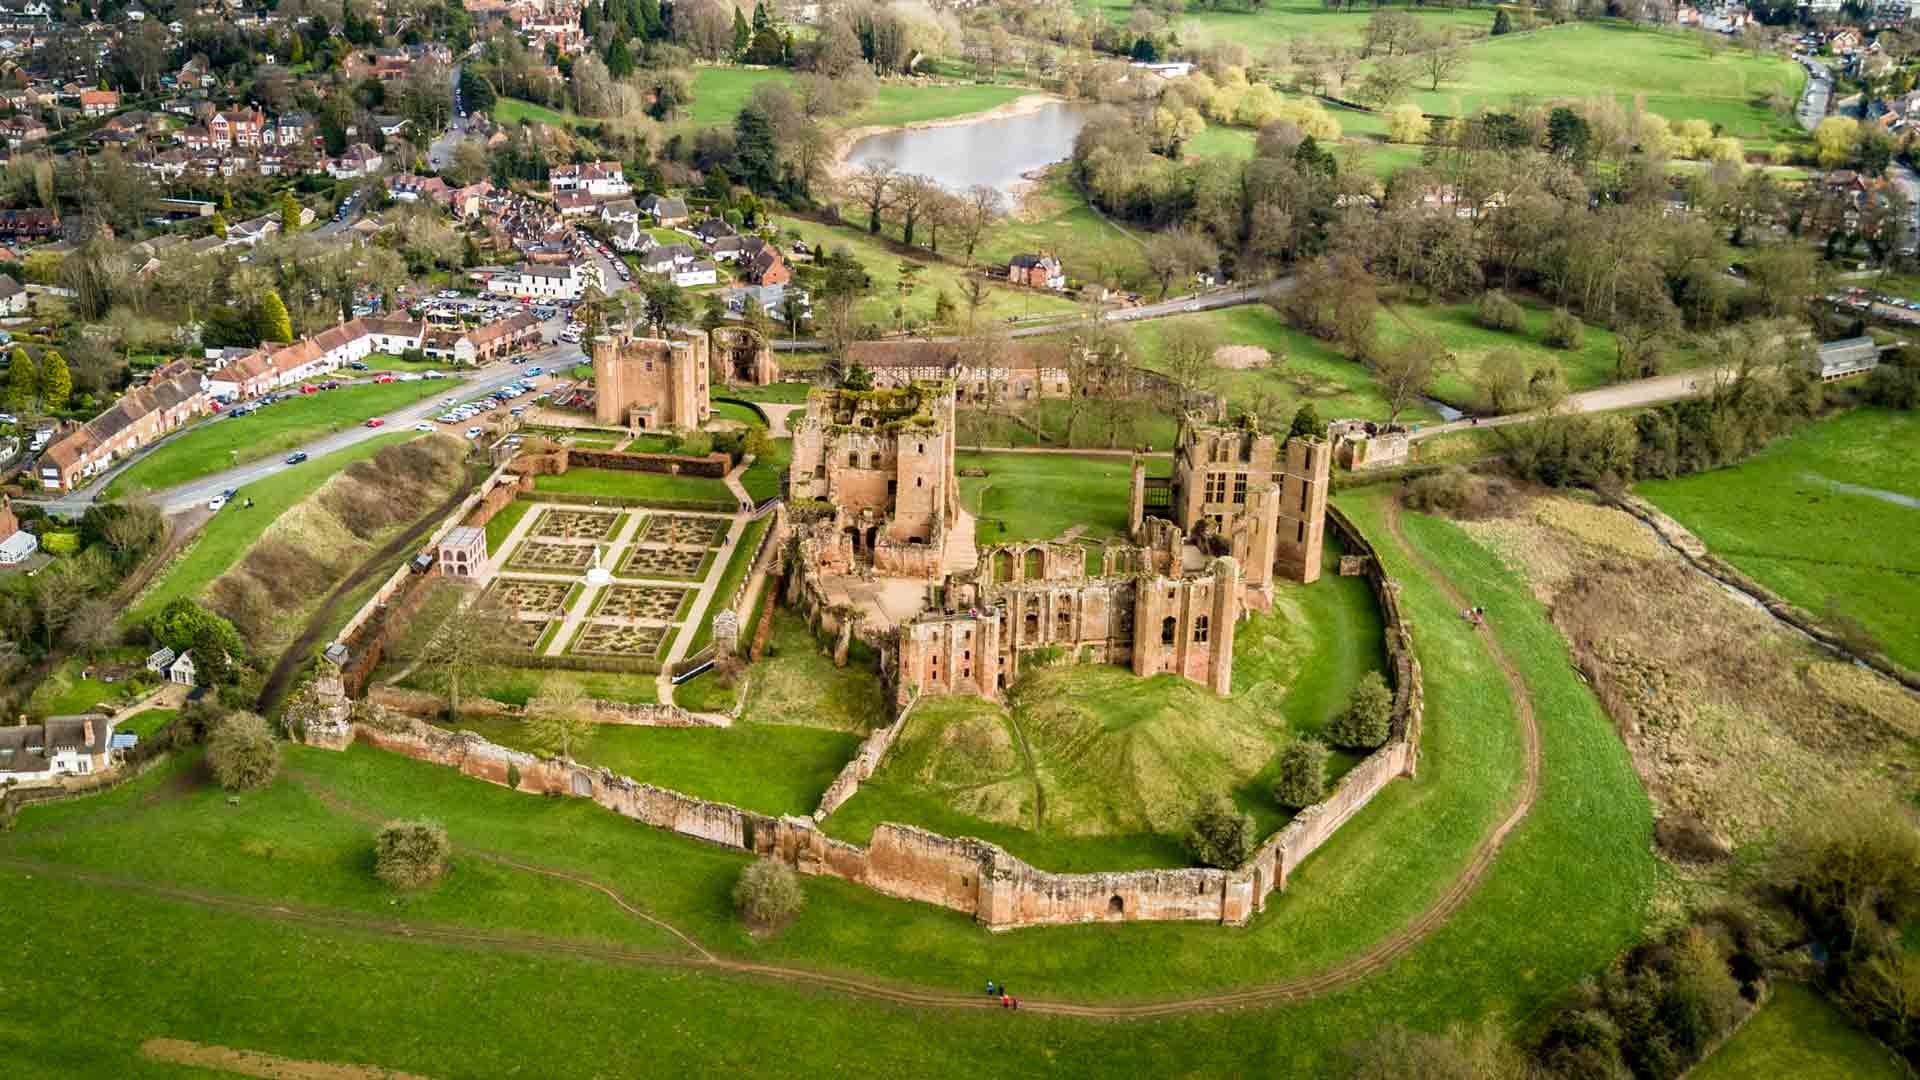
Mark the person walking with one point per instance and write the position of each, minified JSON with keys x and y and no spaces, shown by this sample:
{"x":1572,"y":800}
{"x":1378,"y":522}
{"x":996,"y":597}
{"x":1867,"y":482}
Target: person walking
{"x":991,"y":989}
{"x":1006,"y":1000}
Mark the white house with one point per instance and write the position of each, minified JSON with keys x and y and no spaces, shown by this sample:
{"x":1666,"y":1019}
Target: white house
{"x":697,"y":272}
{"x":13,"y":298}
{"x":63,"y":746}
{"x":629,"y":236}
{"x":569,"y":282}
{"x":600,"y":179}
{"x":181,"y":671}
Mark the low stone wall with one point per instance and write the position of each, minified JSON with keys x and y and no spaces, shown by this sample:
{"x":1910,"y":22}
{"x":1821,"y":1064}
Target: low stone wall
{"x":497,"y":498}
{"x":423,"y":705}
{"x":962,"y":873}
{"x":714,"y":465}
{"x":1695,"y":551}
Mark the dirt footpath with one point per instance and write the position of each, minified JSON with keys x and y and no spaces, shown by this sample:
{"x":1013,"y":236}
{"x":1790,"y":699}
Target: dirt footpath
{"x":270,"y":1066}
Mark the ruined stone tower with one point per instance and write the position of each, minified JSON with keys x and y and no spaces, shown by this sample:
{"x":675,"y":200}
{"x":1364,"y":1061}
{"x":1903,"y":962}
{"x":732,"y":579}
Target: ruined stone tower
{"x":650,"y":384}
{"x":1303,"y":508}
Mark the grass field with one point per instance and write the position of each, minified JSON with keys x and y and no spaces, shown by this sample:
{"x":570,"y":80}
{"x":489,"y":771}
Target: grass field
{"x":1117,"y":762}
{"x":762,"y":481}
{"x":228,"y":535}
{"x":1054,"y":217}
{"x":632,"y":484}
{"x":797,"y":683}
{"x":899,"y":103}
{"x":1589,"y":58}
{"x":770,"y":768}
{"x":218,"y":444}
{"x":1141,"y":423}
{"x":508,"y":110}
{"x":1307,"y":370}
{"x":517,"y":686}
{"x":147,"y":721}
{"x":65,"y":693}
{"x":1469,"y":344}
{"x":883,"y":267}
{"x":1780,"y":517}
{"x":1040,"y":496}
{"x":389,"y":362}
{"x":785,"y":393}
{"x":738,"y":563}
{"x":1280,"y":22}
{"x":1800,"y":1034}
{"x":1566,"y":893}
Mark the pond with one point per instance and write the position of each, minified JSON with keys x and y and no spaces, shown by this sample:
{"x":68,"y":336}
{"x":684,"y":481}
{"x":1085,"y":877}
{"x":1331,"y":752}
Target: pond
{"x":995,"y":151}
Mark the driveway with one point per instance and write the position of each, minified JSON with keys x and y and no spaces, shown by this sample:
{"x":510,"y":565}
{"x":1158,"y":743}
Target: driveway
{"x":1626,"y":395}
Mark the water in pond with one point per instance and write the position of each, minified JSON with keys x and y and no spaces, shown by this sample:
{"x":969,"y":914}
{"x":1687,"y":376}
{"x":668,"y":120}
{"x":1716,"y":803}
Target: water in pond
{"x":995,"y":152}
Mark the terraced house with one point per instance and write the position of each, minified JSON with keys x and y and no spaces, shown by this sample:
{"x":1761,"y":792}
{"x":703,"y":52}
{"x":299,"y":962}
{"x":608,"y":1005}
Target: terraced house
{"x":268,"y":369}
{"x":176,"y":394}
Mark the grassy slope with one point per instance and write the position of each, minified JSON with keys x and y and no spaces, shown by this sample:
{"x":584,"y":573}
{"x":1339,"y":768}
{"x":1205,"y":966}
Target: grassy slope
{"x":1280,"y":22}
{"x":1799,"y":1034}
{"x":221,"y":443}
{"x":1567,"y":891}
{"x":1310,"y":370}
{"x":500,"y":526}
{"x":635,"y":485}
{"x":1053,"y":217}
{"x":1039,"y":496}
{"x":1453,"y":325}
{"x":1778,"y":518}
{"x":225,"y":538}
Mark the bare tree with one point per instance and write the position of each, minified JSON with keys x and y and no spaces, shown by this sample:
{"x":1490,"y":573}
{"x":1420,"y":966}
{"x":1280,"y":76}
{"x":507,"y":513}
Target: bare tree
{"x":911,"y":196}
{"x":981,"y":207}
{"x":1179,"y":253}
{"x":873,"y":186}
{"x":468,"y":642}
{"x":560,"y":718}
{"x":1443,"y":58}
{"x":1186,"y":359}
{"x":1405,"y":372}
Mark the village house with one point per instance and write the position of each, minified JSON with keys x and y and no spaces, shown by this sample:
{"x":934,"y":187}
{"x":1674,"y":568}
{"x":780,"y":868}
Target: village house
{"x":568,"y":282}
{"x":1038,"y":271}
{"x":13,"y":298}
{"x":574,"y":204}
{"x":63,"y":746}
{"x":502,"y":337}
{"x":666,"y":258}
{"x":175,"y":394}
{"x":665,"y":212}
{"x":359,"y":160}
{"x":598,"y":179}
{"x":697,"y":272}
{"x":17,"y":545}
{"x":762,"y":264}
{"x":269,"y":368}
{"x":21,"y":130}
{"x":414,"y":188}
{"x":99,"y":102}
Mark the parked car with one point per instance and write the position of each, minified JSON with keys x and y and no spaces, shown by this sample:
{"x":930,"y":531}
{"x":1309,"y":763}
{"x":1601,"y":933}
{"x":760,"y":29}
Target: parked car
{"x":216,"y":502}
{"x":376,"y":422}
{"x":423,"y":426}
{"x":309,"y":389}
{"x":473,"y":433}
{"x":229,"y":493}
{"x":357,"y":365}
{"x":296,"y":457}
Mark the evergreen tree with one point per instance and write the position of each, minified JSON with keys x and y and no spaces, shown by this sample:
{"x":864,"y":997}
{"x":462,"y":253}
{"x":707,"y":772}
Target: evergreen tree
{"x":943,"y":309}
{"x":647,"y":20}
{"x":761,"y":20}
{"x":741,"y":33}
{"x":1502,"y":22}
{"x":619,"y":59}
{"x":275,"y":323}
{"x":1306,"y":421}
{"x":23,"y":381}
{"x":755,"y":150}
{"x":766,"y":49}
{"x":289,"y":214}
{"x":297,"y":50}
{"x":56,"y":382}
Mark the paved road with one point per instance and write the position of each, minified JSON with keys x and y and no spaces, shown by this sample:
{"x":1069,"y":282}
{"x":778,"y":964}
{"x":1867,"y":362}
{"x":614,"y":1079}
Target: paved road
{"x":1813,"y":102}
{"x":1177,"y":305}
{"x":440,"y":154}
{"x":1627,"y":395}
{"x":186,"y":496}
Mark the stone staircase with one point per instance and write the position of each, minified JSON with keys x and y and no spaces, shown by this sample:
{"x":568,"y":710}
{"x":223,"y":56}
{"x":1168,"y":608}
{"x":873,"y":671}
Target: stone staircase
{"x":961,"y":556}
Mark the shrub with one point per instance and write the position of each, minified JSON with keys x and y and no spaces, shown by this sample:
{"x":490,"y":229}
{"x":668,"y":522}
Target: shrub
{"x":1564,"y":329}
{"x":409,"y":854}
{"x":1302,"y":776}
{"x":1221,"y":834}
{"x":768,"y":893}
{"x":1497,"y":311}
{"x":242,"y":752}
{"x":1368,"y":718}
{"x":513,"y":776}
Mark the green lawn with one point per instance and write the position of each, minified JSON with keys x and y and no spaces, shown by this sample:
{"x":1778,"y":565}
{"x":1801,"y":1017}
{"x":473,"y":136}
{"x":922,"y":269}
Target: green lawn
{"x":762,"y":481}
{"x":1054,"y":217}
{"x":1117,"y":760}
{"x":231,"y":532}
{"x":769,"y":768}
{"x":1040,"y":496}
{"x":784,"y":393}
{"x":508,"y":110}
{"x":389,"y":362}
{"x":517,"y":686}
{"x":146,"y":722}
{"x":1584,"y":59}
{"x":633,"y":484}
{"x":796,"y":682}
{"x":1566,"y":893}
{"x":1800,"y":1034}
{"x":883,"y":267}
{"x":719,"y":93}
{"x":909,"y":104}
{"x":1135,"y":423}
{"x":1780,"y":518}
{"x":727,"y":410}
{"x":500,"y":525}
{"x":736,"y":571}
{"x":221,"y":443}
{"x":65,"y":692}
{"x":1308,"y":370}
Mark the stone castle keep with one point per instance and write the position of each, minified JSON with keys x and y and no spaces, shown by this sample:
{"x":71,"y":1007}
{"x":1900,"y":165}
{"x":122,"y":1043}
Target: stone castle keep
{"x":653,"y":384}
{"x":1240,"y":509}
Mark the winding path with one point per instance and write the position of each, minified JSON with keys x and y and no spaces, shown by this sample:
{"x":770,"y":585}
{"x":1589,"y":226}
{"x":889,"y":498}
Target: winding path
{"x":1347,"y":972}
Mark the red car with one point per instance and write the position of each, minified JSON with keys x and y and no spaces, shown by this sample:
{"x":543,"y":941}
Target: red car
{"x":309,"y":389}
{"x":375,"y":422}
{"x":383,"y":378}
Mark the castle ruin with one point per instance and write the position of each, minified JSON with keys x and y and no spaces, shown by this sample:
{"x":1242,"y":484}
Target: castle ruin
{"x":652,"y":384}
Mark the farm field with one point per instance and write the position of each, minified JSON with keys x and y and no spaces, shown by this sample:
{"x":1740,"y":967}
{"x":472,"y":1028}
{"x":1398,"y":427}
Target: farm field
{"x":301,"y":844}
{"x":1782,"y":517}
{"x":1116,"y":761}
{"x":216,"y":444}
{"x":1800,"y":1034}
{"x":227,"y":536}
{"x":1040,"y":496}
{"x":631,"y":484}
{"x":1307,"y":370}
